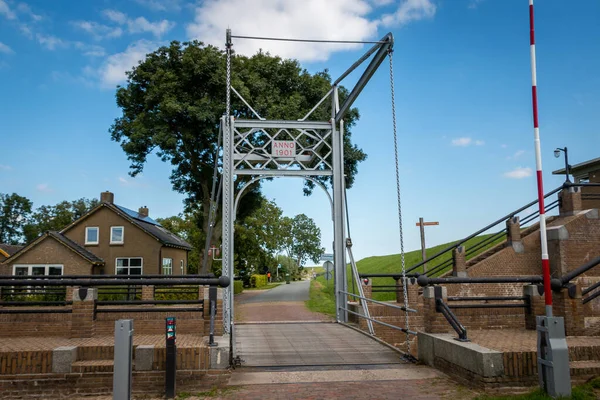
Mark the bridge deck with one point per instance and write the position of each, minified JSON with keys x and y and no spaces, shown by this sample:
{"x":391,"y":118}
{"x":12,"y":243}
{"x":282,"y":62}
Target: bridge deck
{"x":308,"y":343}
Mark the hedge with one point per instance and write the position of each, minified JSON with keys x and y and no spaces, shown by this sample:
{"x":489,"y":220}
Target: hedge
{"x":258,"y":281}
{"x":238,"y":287}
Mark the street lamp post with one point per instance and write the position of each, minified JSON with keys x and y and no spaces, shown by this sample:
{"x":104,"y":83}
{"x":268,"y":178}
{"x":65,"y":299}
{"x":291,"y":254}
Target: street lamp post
{"x":567,"y":166}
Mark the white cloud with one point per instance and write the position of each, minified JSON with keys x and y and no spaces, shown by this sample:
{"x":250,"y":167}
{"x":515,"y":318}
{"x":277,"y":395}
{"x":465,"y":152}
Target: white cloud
{"x":25,"y":9}
{"x":6,"y":11}
{"x":98,"y":31}
{"x":90,"y":50}
{"x":160,"y":5}
{"x":519,"y":173}
{"x":503,"y":146}
{"x":5,"y":167}
{"x":50,"y":42}
{"x":519,"y":153}
{"x":5,"y":49}
{"x":115,"y":16}
{"x":479,"y":143}
{"x":112,"y":71}
{"x":43,"y":187}
{"x":308,"y":19}
{"x":141,"y":25}
{"x":123,"y":181}
{"x":474,"y":3}
{"x":408,"y":11}
{"x":462,"y":142}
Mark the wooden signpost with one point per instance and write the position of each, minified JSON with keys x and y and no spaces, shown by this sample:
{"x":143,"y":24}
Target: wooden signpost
{"x":422,"y":225}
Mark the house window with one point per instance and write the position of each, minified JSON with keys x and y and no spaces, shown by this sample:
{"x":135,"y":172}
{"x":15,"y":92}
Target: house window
{"x":129,"y":266}
{"x":37,"y":270}
{"x":92,"y":235}
{"x":181,"y":267}
{"x":116,"y":234}
{"x":167,"y":266}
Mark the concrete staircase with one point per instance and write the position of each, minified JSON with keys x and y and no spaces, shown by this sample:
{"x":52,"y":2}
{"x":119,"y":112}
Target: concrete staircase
{"x":584,"y":361}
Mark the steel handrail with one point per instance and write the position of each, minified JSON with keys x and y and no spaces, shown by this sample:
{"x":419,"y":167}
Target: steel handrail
{"x":379,"y":302}
{"x":452,"y":319}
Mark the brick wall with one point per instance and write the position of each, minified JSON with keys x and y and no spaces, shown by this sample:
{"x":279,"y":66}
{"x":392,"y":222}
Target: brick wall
{"x":26,"y":362}
{"x":36,"y":324}
{"x":150,"y":323}
{"x":60,"y":386}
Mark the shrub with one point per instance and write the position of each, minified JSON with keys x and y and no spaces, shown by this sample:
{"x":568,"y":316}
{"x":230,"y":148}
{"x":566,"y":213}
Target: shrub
{"x":238,"y":287}
{"x":258,"y":281}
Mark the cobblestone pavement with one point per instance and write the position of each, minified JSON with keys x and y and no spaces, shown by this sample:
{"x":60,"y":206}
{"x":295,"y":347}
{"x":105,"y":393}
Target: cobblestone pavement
{"x":414,"y":389}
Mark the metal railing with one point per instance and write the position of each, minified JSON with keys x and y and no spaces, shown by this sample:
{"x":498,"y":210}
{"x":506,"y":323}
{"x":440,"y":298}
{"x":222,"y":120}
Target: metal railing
{"x":402,"y":308}
{"x":443,"y":308}
{"x":35,"y":291}
{"x":480,"y":247}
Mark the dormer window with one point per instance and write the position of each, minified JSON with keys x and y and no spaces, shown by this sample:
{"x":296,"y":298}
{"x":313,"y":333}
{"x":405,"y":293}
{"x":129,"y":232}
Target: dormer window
{"x":92,"y":235}
{"x":116,"y":234}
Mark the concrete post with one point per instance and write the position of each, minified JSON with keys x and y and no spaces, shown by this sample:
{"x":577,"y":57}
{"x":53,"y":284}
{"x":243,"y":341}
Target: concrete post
{"x":459,"y":262}
{"x":513,"y":234}
{"x":568,"y":304}
{"x":558,"y":237}
{"x":569,"y":201}
{"x":82,"y":316}
{"x":434,"y":322}
{"x":367,"y":289}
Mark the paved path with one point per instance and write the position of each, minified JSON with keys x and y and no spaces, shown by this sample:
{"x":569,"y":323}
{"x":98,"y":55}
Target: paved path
{"x":294,"y":291}
{"x":283,"y":303}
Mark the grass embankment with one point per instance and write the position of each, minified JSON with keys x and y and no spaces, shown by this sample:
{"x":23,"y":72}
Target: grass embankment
{"x":588,"y":391}
{"x":390,"y":264}
{"x":321,"y":295}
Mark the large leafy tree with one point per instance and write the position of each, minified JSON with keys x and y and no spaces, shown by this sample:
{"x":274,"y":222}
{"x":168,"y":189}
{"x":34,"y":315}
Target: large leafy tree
{"x":14,"y":212}
{"x":173,"y":100}
{"x":56,"y":217}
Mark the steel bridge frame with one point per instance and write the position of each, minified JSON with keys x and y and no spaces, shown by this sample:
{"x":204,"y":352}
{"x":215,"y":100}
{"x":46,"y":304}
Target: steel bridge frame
{"x":313,"y":138}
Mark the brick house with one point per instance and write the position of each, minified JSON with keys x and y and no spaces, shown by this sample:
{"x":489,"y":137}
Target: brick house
{"x":586,"y":172}
{"x":7,"y":250}
{"x":109,"y":239}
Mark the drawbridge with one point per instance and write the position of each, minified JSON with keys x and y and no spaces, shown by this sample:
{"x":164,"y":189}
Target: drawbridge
{"x":313,"y":150}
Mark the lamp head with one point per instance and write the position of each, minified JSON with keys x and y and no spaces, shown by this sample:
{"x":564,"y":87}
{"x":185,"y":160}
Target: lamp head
{"x":557,"y":153}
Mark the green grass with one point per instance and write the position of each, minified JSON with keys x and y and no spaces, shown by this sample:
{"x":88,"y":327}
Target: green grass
{"x":392,"y":263}
{"x":588,"y":391}
{"x":321,"y":298}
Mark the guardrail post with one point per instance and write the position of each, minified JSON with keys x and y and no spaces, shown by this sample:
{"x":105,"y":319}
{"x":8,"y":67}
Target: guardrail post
{"x":82,"y":316}
{"x":433,"y":321}
{"x":569,"y":200}
{"x":218,"y":327}
{"x":459,"y":262}
{"x":558,"y":238}
{"x":513,"y":234}
{"x":568,"y":304}
{"x":148,"y":292}
{"x":535,"y":305}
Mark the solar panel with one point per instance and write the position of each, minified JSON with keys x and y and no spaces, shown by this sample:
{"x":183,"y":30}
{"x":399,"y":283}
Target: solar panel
{"x":137,"y":215}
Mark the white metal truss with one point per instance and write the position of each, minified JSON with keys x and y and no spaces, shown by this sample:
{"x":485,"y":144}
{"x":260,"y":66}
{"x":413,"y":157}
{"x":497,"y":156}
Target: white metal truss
{"x":318,"y":150}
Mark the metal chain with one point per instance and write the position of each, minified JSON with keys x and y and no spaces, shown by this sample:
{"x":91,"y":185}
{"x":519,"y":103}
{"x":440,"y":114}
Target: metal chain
{"x":228,"y":298}
{"x":390,"y":54}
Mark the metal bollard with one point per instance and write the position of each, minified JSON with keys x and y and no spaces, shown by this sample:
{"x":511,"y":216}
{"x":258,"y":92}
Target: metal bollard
{"x":123,"y":359}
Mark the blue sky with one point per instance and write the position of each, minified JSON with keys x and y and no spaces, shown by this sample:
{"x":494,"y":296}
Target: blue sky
{"x":463,"y":100}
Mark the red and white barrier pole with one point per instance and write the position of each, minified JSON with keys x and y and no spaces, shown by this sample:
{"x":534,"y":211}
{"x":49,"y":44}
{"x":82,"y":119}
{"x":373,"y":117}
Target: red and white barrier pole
{"x":538,"y":167}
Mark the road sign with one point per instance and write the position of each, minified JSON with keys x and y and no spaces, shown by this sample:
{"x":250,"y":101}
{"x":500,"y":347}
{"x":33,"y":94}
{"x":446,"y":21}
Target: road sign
{"x":428,"y":223}
{"x":327,"y":275}
{"x":327,"y":257}
{"x":328,"y":266}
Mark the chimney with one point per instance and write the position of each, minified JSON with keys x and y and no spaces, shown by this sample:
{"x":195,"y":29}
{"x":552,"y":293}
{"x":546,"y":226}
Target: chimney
{"x":143,"y":211}
{"x":107,"y":197}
